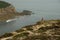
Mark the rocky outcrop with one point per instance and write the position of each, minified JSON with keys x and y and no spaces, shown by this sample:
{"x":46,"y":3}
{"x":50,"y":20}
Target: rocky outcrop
{"x":6,"y":8}
{"x":26,"y":12}
{"x":8,"y":11}
{"x":45,"y":30}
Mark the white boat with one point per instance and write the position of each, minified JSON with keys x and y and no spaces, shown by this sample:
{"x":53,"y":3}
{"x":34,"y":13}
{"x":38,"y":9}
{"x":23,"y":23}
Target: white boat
{"x":10,"y":20}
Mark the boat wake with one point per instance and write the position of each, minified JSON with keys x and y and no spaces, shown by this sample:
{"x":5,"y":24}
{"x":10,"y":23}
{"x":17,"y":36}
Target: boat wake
{"x":10,"y":20}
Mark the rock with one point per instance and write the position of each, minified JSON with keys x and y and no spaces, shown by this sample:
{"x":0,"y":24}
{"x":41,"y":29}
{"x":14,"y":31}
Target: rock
{"x":45,"y":32}
{"x":8,"y":11}
{"x":26,"y":12}
{"x":6,"y":8}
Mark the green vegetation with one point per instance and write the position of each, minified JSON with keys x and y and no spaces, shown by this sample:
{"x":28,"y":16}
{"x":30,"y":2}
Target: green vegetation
{"x":43,"y":36}
{"x":21,"y":30}
{"x":22,"y":34}
{"x":29,"y":27}
{"x":38,"y":23}
{"x":25,"y":34}
{"x":3,"y":4}
{"x":44,"y":29}
{"x":6,"y":35}
{"x":43,"y":33}
{"x":37,"y":37}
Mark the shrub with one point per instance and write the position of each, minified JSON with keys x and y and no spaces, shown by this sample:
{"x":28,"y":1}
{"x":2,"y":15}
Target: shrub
{"x":6,"y":35}
{"x":3,"y":4}
{"x":21,"y":35}
{"x":21,"y":30}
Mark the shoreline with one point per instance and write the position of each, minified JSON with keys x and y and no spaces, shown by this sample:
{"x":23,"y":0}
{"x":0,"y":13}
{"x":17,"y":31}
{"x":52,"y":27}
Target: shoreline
{"x":8,"y":16}
{"x":32,"y":28}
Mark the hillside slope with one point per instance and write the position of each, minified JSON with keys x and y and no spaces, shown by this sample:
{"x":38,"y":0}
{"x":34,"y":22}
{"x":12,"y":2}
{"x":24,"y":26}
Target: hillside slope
{"x":42,"y":30}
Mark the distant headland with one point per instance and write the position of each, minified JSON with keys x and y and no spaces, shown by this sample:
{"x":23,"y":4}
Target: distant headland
{"x":8,"y":11}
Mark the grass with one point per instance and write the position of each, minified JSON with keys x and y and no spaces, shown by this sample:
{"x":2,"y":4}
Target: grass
{"x":43,"y":29}
{"x":38,"y":37}
{"x":21,"y":30}
{"x":43,"y":37}
{"x":51,"y":35}
{"x":29,"y":27}
{"x":6,"y":35}
{"x":25,"y":34}
{"x":3,"y":4}
{"x":22,"y":34}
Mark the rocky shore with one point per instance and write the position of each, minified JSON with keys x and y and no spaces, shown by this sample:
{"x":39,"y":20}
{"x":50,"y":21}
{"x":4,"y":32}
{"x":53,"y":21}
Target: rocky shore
{"x":8,"y":11}
{"x":42,"y":30}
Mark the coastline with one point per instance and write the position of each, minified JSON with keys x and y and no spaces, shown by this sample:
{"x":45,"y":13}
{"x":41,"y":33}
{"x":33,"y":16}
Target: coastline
{"x":8,"y":16}
{"x":8,"y":11}
{"x":32,"y":30}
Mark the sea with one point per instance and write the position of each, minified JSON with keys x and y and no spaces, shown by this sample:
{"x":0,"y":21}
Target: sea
{"x":46,"y":9}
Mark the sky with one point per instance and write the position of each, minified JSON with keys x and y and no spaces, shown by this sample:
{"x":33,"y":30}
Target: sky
{"x":43,"y":5}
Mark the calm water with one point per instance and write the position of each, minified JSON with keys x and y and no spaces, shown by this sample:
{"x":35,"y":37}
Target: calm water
{"x":48,"y":9}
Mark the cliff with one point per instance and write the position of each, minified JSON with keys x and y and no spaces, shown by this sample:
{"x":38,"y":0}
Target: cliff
{"x":42,"y":30}
{"x":8,"y":11}
{"x":6,"y":8}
